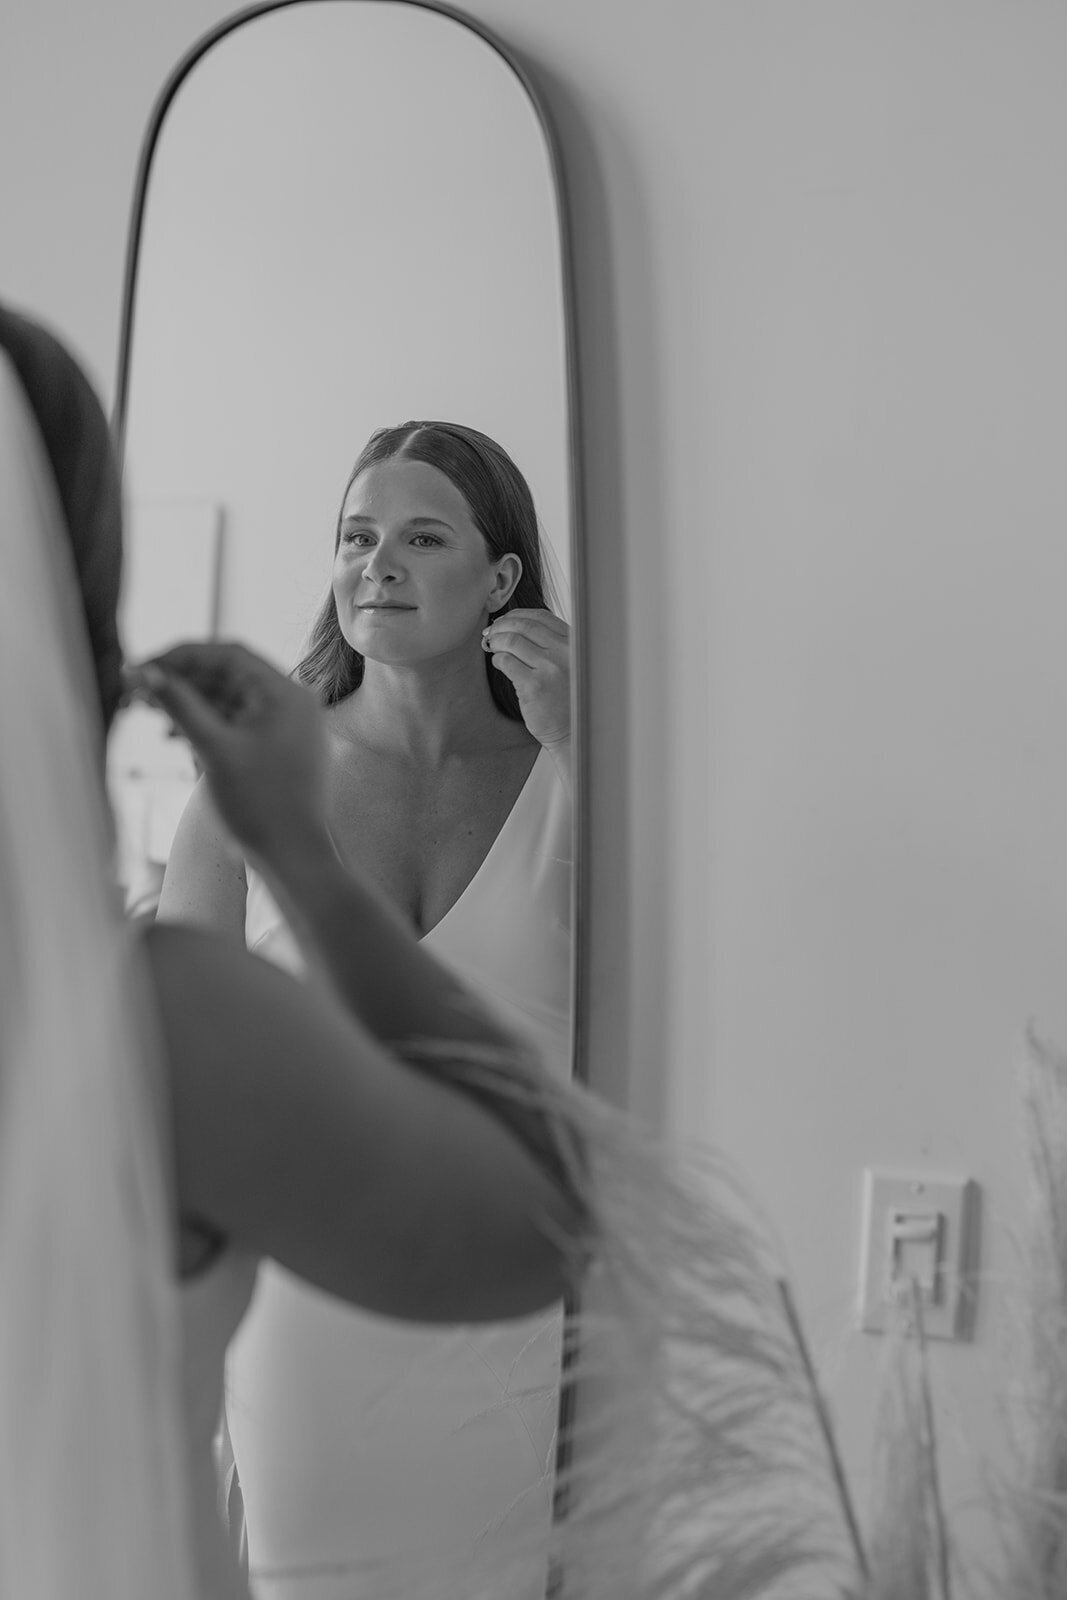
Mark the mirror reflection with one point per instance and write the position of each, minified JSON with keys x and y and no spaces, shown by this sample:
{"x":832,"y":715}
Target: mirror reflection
{"x":349,"y":442}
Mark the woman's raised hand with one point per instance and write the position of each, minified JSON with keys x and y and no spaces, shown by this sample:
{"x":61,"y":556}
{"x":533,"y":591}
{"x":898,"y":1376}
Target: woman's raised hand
{"x":257,"y":734}
{"x":533,"y":649}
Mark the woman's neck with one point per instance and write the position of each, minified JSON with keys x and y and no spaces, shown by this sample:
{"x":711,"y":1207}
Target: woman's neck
{"x":426,"y":714}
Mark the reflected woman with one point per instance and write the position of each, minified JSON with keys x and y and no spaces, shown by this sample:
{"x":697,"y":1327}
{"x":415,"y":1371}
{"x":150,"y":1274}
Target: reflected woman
{"x":447,"y":686}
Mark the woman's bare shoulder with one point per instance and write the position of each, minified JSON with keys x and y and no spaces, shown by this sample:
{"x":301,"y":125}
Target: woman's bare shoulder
{"x":205,"y":880}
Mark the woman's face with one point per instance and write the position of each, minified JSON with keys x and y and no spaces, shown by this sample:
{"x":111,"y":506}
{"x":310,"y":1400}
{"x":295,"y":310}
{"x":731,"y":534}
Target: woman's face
{"x":412,"y":578}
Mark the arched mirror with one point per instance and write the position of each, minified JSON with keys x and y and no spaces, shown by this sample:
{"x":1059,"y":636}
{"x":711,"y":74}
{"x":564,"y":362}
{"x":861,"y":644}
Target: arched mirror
{"x":349,"y":216}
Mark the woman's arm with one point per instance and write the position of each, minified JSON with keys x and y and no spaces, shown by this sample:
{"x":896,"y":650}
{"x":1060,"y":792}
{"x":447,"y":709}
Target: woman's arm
{"x":463,"y":1190}
{"x":204,"y":882}
{"x":299,"y":1136}
{"x":563,"y":762}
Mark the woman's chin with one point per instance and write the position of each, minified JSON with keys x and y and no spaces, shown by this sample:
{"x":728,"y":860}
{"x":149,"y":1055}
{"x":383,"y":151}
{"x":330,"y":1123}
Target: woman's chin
{"x":387,"y":652}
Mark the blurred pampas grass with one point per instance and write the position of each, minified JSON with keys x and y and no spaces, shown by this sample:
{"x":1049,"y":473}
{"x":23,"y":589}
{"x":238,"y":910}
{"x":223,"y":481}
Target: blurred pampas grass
{"x":1032,"y":1505}
{"x":698,"y":1458}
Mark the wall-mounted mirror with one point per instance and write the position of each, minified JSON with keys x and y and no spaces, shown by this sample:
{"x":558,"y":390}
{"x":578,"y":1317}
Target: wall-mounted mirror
{"x":348,"y":216}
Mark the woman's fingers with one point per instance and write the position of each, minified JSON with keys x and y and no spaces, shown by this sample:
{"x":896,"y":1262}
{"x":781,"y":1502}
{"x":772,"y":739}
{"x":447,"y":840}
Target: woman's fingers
{"x":258,"y":734}
{"x":231,"y":678}
{"x":230,"y":703}
{"x":524,"y":650}
{"x":540,"y":627}
{"x":547,"y":618}
{"x":196,"y":717}
{"x":512,"y":666}
{"x":552,"y":654}
{"x":532,"y":649}
{"x":224,"y":680}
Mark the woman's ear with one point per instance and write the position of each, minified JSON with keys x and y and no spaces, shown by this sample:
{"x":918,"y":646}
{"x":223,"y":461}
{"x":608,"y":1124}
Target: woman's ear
{"x":506,"y":575}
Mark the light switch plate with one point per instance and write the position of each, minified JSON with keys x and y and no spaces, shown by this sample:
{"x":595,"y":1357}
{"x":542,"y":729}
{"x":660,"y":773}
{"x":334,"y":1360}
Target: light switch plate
{"x":921,"y":1225}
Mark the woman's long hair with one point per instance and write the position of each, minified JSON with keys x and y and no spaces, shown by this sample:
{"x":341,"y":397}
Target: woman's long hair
{"x":93,"y":1491}
{"x":502,"y":510}
{"x":75,"y":435}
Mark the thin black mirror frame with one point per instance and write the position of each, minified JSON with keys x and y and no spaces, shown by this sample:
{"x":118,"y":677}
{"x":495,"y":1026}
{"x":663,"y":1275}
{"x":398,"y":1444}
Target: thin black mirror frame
{"x":581,"y":827}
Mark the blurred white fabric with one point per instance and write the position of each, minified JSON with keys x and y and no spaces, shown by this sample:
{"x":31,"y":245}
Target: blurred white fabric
{"x":93,"y":1469}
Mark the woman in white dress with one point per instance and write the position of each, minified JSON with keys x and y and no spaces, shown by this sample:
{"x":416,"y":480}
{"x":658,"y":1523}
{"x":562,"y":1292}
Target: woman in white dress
{"x":172,"y":1109}
{"x":447,"y":691}
{"x":291,"y":1122}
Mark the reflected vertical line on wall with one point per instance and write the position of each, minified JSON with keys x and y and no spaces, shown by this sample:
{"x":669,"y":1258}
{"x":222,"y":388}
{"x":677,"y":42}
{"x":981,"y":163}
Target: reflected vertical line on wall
{"x":217,"y":573}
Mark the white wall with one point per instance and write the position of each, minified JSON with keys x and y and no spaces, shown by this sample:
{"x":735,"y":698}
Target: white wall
{"x":820,"y":251}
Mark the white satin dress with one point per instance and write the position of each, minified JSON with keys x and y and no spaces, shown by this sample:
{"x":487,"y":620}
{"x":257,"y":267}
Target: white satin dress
{"x":212,"y":1304}
{"x":361,"y":1441}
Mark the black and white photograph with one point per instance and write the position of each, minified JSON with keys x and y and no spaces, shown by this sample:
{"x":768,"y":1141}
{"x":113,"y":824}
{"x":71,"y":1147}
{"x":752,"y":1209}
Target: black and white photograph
{"x":533,"y":800}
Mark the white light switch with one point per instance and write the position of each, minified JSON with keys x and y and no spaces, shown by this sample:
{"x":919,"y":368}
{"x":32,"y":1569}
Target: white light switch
{"x":918,"y":1228}
{"x":914,"y":1250}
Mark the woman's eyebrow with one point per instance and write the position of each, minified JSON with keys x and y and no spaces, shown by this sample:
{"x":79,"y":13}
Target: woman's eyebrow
{"x":412,"y":522}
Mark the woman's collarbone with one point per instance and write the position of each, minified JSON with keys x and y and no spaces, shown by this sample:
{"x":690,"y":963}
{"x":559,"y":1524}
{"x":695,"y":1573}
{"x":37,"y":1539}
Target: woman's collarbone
{"x":423,"y":838}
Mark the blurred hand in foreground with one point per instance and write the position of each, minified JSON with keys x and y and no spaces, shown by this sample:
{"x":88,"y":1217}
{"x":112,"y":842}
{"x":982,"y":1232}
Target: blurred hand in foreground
{"x":257,"y":734}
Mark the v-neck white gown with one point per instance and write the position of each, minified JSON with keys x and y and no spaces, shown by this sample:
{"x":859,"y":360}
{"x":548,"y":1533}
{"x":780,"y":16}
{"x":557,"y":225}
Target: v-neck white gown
{"x":358,"y":1439}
